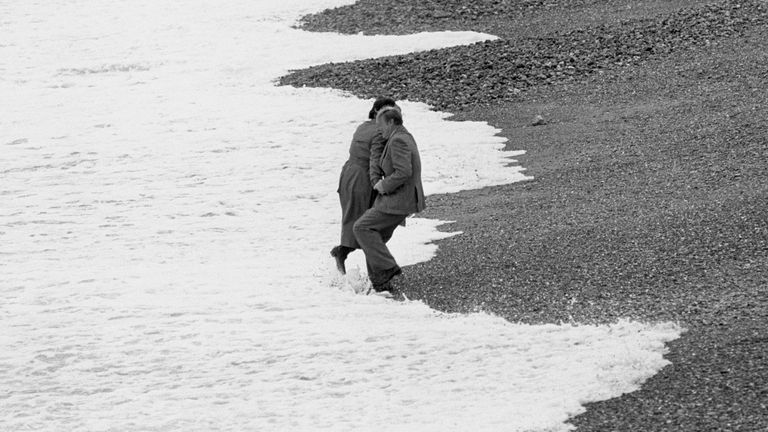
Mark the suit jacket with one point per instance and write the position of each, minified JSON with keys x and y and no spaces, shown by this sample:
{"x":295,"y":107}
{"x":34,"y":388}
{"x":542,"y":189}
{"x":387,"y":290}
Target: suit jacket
{"x":401,"y":164}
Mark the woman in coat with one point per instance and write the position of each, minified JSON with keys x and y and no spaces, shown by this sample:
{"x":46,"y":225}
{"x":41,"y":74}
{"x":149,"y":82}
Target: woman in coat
{"x":358,"y":175}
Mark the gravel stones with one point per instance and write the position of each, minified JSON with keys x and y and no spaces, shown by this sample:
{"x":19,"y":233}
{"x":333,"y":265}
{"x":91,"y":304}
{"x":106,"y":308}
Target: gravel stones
{"x":402,"y":17}
{"x":487,"y":72}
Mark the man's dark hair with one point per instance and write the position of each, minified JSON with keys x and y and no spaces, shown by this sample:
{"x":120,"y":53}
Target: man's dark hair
{"x":379,"y":104}
{"x":392,"y":114}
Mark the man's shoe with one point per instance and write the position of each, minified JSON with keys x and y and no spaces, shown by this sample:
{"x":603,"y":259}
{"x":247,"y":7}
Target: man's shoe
{"x":382,"y":290}
{"x":385,"y":276}
{"x":385,"y":294}
{"x":385,"y":287}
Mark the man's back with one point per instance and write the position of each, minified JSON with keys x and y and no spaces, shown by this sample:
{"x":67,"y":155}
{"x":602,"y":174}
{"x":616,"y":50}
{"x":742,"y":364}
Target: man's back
{"x":401,"y":163}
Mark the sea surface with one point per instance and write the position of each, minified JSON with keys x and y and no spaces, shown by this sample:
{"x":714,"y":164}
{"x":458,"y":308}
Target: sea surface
{"x":166,"y":214}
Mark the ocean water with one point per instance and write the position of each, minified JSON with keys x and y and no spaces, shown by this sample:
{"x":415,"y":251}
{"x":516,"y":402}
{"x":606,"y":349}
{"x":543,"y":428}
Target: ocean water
{"x":165,"y":220}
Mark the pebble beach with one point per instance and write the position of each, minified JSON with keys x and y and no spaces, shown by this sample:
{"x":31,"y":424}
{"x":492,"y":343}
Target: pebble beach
{"x":167,"y":216}
{"x":645,"y":137}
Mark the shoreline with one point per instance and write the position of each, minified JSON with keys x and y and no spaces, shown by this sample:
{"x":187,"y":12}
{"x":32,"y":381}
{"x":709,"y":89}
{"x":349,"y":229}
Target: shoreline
{"x":649,"y":201}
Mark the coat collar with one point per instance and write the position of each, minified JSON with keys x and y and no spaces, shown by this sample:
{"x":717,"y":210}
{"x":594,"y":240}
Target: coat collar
{"x":396,"y":129}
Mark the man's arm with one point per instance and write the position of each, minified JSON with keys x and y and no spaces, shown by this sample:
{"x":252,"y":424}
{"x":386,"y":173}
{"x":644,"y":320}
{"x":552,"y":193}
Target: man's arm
{"x":401,"y":162}
{"x":374,"y":165}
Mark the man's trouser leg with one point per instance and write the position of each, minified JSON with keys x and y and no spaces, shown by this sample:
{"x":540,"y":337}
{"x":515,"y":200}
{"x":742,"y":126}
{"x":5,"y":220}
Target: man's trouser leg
{"x":373,"y":230}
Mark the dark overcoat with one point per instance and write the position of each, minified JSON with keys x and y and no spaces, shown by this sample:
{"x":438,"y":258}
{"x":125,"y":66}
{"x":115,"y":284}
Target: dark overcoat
{"x":355,"y":189}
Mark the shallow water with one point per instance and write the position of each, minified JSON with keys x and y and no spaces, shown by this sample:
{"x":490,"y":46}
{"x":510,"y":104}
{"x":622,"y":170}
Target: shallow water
{"x":164,"y":232}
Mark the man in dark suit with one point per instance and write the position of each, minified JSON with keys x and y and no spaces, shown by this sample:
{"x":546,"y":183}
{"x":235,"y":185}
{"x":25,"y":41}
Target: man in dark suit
{"x":400,"y":194}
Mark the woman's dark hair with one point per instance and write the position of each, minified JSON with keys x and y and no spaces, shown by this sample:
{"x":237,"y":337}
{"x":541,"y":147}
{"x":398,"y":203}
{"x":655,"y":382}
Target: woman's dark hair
{"x":379,"y":104}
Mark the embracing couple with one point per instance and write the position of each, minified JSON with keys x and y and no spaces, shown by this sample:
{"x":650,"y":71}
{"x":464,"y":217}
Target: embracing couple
{"x":379,"y":186}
